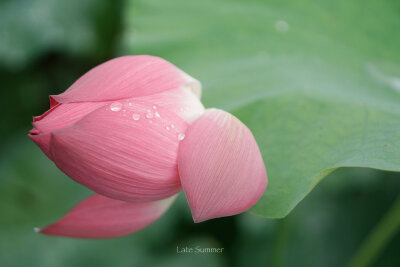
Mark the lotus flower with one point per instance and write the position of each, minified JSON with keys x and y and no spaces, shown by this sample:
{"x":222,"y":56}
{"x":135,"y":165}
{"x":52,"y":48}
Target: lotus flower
{"x":134,"y":131}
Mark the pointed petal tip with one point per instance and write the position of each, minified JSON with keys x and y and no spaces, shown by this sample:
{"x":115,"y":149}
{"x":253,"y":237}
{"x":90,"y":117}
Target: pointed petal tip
{"x":33,"y":132}
{"x":42,"y":141}
{"x":197,"y":219}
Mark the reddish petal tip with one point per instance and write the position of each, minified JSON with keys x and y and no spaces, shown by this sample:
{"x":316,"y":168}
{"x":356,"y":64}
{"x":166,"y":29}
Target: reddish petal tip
{"x":33,"y":132}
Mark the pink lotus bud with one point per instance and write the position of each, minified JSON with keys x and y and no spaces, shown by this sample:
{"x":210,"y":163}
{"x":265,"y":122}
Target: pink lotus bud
{"x":116,"y":130}
{"x":133,"y":129}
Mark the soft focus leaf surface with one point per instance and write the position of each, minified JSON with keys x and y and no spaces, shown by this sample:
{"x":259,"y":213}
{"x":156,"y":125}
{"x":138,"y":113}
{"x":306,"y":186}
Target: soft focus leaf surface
{"x":317,"y":83}
{"x":30,"y":29}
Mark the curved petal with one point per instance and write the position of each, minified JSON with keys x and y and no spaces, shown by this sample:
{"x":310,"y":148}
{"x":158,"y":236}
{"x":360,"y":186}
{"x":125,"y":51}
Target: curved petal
{"x":126,"y":150}
{"x":221,"y":168}
{"x":127,"y":77}
{"x":102,"y":217}
{"x":182,"y":101}
{"x":58,"y":117}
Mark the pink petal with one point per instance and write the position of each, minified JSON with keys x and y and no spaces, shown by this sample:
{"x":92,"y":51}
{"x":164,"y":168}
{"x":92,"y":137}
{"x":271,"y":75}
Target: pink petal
{"x":221,"y":168}
{"x":101,"y":217}
{"x":127,"y":77}
{"x":182,"y":101}
{"x":126,"y":151}
{"x":58,"y":117}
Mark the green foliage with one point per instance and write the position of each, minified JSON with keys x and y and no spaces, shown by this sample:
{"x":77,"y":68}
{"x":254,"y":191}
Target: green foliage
{"x":33,"y":28}
{"x":318,"y":83}
{"x":45,"y":45}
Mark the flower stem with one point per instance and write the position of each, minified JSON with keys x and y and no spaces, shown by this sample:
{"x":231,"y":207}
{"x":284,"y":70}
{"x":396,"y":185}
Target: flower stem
{"x":378,"y":238}
{"x":281,"y":238}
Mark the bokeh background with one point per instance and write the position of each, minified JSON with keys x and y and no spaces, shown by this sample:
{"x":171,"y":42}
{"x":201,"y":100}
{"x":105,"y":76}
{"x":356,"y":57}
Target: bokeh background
{"x":45,"y":45}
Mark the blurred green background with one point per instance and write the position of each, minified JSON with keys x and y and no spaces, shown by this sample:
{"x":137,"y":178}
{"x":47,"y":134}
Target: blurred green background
{"x":241,"y":51}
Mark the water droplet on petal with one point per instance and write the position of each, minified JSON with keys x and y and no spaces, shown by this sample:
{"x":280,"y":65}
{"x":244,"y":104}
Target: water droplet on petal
{"x":181,"y":136}
{"x":149,"y":115}
{"x":172,"y":126}
{"x":168,"y":128}
{"x":116,"y":106}
{"x":155,"y":107}
{"x":157,"y":114}
{"x":136,"y":116}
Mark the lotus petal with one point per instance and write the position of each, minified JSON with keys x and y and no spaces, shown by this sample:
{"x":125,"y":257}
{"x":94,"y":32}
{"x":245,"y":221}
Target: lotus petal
{"x":127,"y":77}
{"x":126,"y":150}
{"x":102,"y":217}
{"x":220,"y":166}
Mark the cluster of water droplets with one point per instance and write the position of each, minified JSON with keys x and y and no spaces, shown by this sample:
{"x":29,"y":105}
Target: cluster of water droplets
{"x":150,"y":114}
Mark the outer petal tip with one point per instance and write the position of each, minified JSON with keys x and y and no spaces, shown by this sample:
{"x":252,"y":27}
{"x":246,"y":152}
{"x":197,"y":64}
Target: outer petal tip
{"x":220,"y":166}
{"x":57,"y":117}
{"x":42,"y":141}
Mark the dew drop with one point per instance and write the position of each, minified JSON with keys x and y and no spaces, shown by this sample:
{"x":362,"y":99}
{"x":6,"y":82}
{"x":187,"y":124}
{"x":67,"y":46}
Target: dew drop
{"x":181,"y":136}
{"x":172,"y":126}
{"x":149,"y":115}
{"x":168,"y":128}
{"x":116,"y":106}
{"x":282,"y":26}
{"x":155,"y":107}
{"x":157,"y":114}
{"x":135,"y":116}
